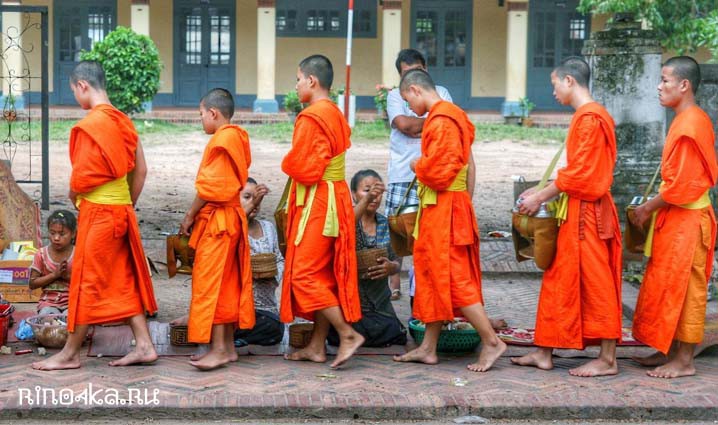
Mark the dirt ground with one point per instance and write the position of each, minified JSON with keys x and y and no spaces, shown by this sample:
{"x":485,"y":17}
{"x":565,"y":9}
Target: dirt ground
{"x":173,"y":162}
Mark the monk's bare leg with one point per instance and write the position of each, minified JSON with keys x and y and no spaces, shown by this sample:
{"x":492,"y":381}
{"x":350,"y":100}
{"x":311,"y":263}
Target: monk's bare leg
{"x":491,"y":346}
{"x":680,"y":365}
{"x":541,"y":358}
{"x":144,"y":352}
{"x":316,"y":350}
{"x":657,"y":358}
{"x":605,"y":364}
{"x":69,"y":356}
{"x":229,"y":341}
{"x":426,"y":352}
{"x":219,"y":353}
{"x":349,"y":339}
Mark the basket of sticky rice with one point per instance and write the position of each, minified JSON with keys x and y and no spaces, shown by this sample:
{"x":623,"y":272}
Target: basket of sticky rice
{"x":457,"y":336}
{"x":50,"y":330}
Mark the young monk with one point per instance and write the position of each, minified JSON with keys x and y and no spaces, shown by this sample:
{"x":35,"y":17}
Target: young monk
{"x":320,"y":275}
{"x":580,"y":300}
{"x":221,"y":275}
{"x":671,"y":309}
{"x":446,"y":251}
{"x":110,"y":279}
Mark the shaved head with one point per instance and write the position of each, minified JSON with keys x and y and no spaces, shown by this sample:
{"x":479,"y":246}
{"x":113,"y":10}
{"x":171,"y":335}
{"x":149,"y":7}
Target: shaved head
{"x":91,"y":72}
{"x":686,"y":68}
{"x":576,"y":68}
{"x":221,"y":100}
{"x":320,"y":67}
{"x":417,"y":77}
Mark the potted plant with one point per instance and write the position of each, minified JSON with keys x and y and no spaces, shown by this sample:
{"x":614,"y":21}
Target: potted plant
{"x":292,"y":104}
{"x":526,"y":107}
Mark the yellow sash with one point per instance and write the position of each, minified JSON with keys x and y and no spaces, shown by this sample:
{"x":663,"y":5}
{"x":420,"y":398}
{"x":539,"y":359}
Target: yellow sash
{"x":428,"y":196}
{"x":333,"y":173}
{"x":115,"y":192}
{"x":702,"y":202}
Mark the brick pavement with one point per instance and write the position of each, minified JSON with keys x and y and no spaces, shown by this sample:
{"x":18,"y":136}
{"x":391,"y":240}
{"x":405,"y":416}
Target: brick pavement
{"x":369,"y":387}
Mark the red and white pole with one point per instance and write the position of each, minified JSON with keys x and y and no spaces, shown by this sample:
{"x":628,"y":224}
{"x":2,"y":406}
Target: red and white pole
{"x":350,"y":27}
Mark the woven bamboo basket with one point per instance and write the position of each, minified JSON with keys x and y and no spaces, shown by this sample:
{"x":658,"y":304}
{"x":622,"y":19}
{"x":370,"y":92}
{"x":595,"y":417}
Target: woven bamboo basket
{"x":367,"y":258}
{"x":264,"y":266}
{"x":178,"y":336}
{"x":300,"y":334}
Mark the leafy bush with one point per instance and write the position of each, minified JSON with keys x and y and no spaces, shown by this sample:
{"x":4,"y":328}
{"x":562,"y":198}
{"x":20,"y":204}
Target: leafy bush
{"x":292,"y":103}
{"x":526,"y":106}
{"x":132,"y":68}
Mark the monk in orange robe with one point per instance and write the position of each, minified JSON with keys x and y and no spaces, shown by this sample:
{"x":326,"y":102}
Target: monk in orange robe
{"x":446,"y":251}
{"x":222,"y":275}
{"x":110,"y":278}
{"x":671,"y":309}
{"x":580,"y":299}
{"x":320,"y":274}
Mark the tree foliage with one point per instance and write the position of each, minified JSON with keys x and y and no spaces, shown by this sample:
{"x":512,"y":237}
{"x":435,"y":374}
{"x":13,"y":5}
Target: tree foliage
{"x":132,"y":68}
{"x":681,"y":25}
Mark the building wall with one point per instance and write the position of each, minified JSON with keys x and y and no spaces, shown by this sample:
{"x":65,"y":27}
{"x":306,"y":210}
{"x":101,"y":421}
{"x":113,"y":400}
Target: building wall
{"x":124,"y":13}
{"x":246,"y":42}
{"x":34,"y":37}
{"x":161,"y":32}
{"x":488,"y":66}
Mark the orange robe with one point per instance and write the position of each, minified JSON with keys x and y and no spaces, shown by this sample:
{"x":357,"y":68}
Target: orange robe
{"x":110,"y":278}
{"x":672,"y":300}
{"x":446,"y":253}
{"x":580,"y":299}
{"x":321,"y":271}
{"x":222,"y":274}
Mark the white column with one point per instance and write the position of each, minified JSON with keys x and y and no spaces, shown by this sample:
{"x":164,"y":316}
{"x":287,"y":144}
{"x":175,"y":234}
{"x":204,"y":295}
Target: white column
{"x":390,"y":41}
{"x":140,"y":17}
{"x":517,"y":46}
{"x":266,"y":57}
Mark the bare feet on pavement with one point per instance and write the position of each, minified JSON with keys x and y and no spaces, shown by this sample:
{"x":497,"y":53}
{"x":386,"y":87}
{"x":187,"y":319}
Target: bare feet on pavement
{"x":308,"y":354}
{"x":655,"y":359}
{"x":347,"y":348}
{"x":535,"y":359}
{"x":673,"y":369}
{"x":488,"y":356}
{"x":418,"y":355}
{"x":59,"y":361}
{"x":214,"y":359}
{"x":595,"y":367}
{"x":139,"y":355}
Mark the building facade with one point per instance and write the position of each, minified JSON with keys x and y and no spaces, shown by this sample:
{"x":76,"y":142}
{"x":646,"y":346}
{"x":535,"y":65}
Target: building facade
{"x":488,"y":53}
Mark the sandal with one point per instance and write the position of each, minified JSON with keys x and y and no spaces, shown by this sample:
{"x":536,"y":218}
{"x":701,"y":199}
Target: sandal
{"x":395,"y":294}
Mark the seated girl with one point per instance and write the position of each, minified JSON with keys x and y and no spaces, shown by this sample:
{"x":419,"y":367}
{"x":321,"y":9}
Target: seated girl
{"x":52,"y":266}
{"x":379,"y":324}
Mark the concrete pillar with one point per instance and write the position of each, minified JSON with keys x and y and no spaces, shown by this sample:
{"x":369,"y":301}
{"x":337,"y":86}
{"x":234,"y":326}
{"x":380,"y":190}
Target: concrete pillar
{"x":266,"y":57}
{"x":625,"y":63}
{"x":517,"y":48}
{"x":390,"y":41}
{"x":14,"y":73}
{"x":140,"y":17}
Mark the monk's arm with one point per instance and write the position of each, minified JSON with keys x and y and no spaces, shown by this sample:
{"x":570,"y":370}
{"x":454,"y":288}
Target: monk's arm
{"x":530,"y":205}
{"x":471,"y":175}
{"x":310,"y":153}
{"x":136,"y":177}
{"x":410,"y":126}
{"x":186,"y":225}
{"x":444,"y":157}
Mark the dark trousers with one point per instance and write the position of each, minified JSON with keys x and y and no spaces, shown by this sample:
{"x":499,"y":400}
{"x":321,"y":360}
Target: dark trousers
{"x":267,"y":331}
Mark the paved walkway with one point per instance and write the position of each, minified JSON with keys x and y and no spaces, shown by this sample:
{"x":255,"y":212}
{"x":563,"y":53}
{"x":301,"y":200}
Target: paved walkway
{"x":368,"y":387}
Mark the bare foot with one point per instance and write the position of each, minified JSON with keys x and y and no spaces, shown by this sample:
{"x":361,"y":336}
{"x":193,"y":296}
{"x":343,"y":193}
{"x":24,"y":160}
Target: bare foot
{"x":498,"y":324}
{"x":595,"y":367}
{"x":59,"y":361}
{"x":214,"y":359}
{"x":488,"y":356}
{"x":535,"y":359}
{"x":308,"y":354}
{"x":418,"y":355}
{"x":140,"y":355}
{"x":655,"y":359}
{"x":197,"y":357}
{"x":347,"y":347}
{"x":672,"y":369}
{"x":180,"y":321}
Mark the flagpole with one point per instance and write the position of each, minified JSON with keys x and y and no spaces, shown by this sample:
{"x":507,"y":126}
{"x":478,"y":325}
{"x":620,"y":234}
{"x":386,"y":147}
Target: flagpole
{"x":350,"y":27}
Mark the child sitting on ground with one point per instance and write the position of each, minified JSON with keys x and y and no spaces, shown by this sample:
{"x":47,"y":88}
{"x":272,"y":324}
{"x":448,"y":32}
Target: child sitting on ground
{"x":52,"y":265}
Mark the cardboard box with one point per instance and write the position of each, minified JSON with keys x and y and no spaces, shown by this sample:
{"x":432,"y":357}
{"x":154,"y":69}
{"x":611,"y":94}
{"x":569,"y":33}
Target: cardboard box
{"x":15,"y":280}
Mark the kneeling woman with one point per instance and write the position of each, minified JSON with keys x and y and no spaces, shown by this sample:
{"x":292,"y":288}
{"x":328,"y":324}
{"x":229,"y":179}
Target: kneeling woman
{"x":379,"y":324}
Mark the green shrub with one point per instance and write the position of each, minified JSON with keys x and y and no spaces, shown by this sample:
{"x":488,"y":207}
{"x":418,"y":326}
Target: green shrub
{"x":132,"y":68}
{"x":292,"y":103}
